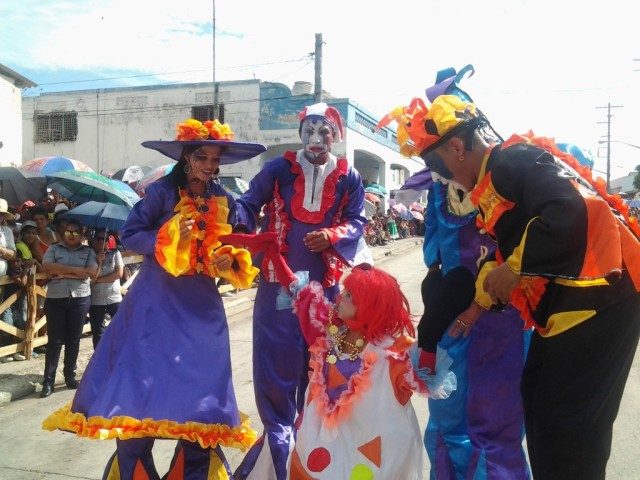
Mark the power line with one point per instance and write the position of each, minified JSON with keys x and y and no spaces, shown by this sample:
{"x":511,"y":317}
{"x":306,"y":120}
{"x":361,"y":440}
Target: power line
{"x":251,"y":65}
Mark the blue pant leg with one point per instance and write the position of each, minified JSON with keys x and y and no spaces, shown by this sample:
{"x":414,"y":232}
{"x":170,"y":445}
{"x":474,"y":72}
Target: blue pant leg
{"x":446,"y":437}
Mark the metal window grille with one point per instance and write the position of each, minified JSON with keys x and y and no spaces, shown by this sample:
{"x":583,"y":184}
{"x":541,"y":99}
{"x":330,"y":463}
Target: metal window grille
{"x":365,"y":122}
{"x":56,"y":127}
{"x":208,"y":112}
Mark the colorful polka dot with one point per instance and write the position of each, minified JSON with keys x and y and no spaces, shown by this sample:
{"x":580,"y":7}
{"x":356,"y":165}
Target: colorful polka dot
{"x":318,"y":459}
{"x":361,"y":472}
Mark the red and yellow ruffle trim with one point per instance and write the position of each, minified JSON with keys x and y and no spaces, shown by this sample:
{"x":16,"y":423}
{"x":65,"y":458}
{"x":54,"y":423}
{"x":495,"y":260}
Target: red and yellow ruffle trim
{"x":125,"y":428}
{"x":197,"y":255}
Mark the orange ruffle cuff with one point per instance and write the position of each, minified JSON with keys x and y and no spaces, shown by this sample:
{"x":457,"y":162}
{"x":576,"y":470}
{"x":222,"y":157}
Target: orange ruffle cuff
{"x":242,"y":272}
{"x":125,"y":428}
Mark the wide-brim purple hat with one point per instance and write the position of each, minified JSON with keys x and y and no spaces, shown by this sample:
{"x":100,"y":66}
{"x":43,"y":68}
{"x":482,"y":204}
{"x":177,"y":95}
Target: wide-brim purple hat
{"x":194,"y":133}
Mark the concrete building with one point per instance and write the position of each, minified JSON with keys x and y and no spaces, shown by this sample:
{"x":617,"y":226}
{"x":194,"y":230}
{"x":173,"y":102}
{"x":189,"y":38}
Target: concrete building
{"x":104,"y":127}
{"x":11,"y":85}
{"x":623,"y":185}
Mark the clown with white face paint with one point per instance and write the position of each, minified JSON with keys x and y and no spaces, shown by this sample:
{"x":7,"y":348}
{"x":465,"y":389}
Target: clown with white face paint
{"x":314,"y":202}
{"x":317,"y":138}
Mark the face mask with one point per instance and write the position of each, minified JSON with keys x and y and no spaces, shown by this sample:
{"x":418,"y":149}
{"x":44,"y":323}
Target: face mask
{"x":436,"y":163}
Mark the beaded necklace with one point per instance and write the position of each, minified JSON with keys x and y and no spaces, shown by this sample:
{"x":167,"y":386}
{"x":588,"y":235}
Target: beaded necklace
{"x":337,"y":338}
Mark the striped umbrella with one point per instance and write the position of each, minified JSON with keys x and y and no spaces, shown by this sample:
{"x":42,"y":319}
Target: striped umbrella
{"x":47,"y":165}
{"x":155,"y":174}
{"x":80,"y":187}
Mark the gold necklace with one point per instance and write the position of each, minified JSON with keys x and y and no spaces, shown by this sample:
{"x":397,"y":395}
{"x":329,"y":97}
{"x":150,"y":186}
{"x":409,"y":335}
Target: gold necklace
{"x":338,"y":341}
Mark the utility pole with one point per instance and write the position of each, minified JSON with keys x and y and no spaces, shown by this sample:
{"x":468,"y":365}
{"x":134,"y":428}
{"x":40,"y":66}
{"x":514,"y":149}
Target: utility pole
{"x":608,"y":122}
{"x":317,"y":92}
{"x":215,"y":85}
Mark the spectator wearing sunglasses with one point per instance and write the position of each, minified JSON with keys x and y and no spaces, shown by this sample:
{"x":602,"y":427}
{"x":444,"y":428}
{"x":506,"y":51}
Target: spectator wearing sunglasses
{"x":105,"y":288}
{"x":71,"y":266}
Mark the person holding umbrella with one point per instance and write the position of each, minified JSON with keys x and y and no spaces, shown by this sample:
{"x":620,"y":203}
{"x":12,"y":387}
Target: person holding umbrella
{"x":105,"y":288}
{"x":162,"y":369}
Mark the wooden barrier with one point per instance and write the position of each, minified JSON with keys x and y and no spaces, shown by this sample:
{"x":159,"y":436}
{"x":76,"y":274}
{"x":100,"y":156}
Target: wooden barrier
{"x":34,"y":334}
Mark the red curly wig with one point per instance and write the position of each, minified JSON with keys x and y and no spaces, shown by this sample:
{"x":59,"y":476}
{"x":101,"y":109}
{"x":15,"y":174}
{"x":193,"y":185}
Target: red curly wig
{"x":381,"y":307}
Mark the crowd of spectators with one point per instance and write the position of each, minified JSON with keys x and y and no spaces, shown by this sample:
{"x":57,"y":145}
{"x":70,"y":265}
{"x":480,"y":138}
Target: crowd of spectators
{"x":380,"y":229}
{"x":27,"y":232}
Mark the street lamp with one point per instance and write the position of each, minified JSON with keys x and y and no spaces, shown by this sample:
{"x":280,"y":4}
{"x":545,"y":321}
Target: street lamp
{"x":624,"y":143}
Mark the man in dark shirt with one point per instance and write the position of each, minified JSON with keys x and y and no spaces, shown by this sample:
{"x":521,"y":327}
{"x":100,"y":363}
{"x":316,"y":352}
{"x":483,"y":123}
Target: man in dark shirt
{"x":568,"y":258}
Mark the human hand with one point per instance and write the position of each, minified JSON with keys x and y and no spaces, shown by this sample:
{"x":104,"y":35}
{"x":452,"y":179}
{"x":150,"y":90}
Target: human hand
{"x":223,"y":262}
{"x":464,"y":322}
{"x":186,"y":226}
{"x":317,"y":241}
{"x":500,"y":282}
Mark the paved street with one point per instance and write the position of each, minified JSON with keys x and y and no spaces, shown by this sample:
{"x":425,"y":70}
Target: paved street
{"x":29,"y":453}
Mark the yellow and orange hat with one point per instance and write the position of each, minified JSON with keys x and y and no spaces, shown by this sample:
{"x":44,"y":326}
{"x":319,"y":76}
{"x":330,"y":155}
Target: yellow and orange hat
{"x":422,"y":129}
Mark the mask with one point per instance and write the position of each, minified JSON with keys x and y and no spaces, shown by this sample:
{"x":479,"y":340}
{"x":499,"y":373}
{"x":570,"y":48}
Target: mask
{"x":436,"y":163}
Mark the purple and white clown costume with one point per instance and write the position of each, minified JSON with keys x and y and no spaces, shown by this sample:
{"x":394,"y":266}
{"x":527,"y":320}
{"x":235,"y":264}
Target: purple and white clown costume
{"x":315,"y":202}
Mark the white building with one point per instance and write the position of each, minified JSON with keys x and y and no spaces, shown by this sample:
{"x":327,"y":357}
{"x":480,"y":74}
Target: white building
{"x":11,"y":85}
{"x":623,"y":185}
{"x":104,"y":127}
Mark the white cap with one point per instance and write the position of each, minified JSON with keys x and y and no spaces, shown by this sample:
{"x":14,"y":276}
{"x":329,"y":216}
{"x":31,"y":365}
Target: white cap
{"x":60,"y":207}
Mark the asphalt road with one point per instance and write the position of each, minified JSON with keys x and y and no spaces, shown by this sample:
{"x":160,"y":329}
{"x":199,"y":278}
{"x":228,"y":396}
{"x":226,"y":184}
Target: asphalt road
{"x":29,"y":453}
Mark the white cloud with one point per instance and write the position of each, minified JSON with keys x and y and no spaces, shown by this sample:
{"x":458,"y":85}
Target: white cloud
{"x":540,"y":64}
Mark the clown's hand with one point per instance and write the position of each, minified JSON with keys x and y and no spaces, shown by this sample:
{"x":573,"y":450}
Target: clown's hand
{"x":441,"y":383}
{"x":317,"y":241}
{"x":223,"y":262}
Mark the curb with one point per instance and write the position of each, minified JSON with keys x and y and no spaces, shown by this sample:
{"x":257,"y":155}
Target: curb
{"x":384,"y":254}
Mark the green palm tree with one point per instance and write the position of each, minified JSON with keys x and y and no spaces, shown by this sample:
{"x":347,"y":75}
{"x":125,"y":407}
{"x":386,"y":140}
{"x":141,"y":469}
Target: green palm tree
{"x":636,"y":179}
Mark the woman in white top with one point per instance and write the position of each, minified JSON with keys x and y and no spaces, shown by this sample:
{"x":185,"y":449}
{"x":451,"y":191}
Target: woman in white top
{"x":105,"y":288}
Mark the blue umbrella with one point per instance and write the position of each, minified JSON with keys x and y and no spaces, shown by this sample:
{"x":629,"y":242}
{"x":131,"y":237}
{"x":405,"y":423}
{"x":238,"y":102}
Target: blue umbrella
{"x":100,"y":215}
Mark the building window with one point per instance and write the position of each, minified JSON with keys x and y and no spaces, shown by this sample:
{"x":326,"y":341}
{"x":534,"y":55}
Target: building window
{"x":56,"y":127}
{"x":365,"y":122}
{"x":397,"y":176}
{"x":208,"y":112}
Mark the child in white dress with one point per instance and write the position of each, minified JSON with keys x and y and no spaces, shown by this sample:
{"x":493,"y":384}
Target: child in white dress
{"x":358,"y":422}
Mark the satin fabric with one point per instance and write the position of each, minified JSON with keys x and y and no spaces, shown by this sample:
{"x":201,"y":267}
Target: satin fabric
{"x":165,"y":355}
{"x":478,"y":431}
{"x":280,"y":353}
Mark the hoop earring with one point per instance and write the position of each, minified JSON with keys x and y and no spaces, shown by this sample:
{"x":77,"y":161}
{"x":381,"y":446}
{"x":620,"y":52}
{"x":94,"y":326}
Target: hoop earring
{"x":187,"y":168}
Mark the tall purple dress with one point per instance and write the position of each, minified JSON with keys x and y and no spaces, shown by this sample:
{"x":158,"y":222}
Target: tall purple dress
{"x":280,"y":355}
{"x":162,"y":368}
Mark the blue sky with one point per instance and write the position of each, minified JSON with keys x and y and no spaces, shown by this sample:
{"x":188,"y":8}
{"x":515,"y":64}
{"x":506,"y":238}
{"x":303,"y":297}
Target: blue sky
{"x":544,"y":64}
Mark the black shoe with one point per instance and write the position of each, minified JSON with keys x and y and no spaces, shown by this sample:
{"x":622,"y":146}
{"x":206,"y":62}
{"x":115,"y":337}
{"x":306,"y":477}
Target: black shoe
{"x":72,"y":383}
{"x":46,"y":390}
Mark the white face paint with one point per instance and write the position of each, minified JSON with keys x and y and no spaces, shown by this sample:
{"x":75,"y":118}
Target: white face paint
{"x":317,"y":139}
